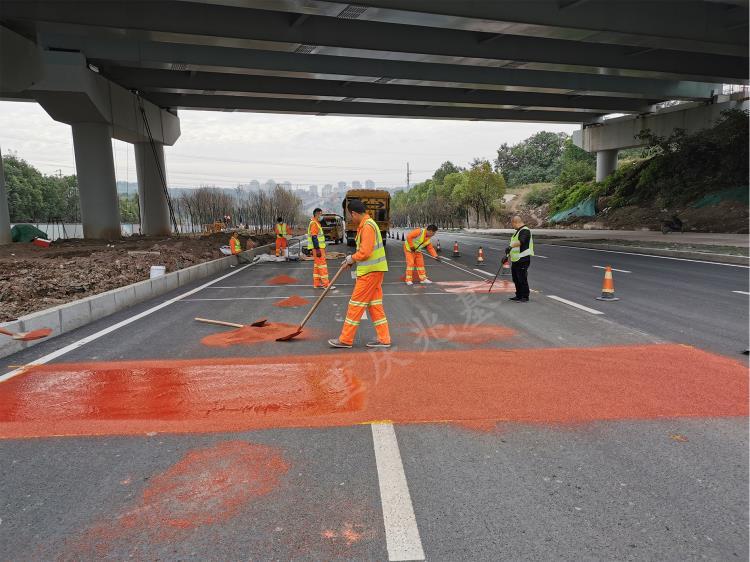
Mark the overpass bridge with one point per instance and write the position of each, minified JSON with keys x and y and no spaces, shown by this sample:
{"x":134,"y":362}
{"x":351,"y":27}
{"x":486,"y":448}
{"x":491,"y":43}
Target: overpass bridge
{"x":94,"y":65}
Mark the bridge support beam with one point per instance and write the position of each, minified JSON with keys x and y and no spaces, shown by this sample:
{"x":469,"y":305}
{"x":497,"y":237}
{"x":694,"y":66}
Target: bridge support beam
{"x":151,"y":198}
{"x":606,"y":163}
{"x":100,"y":209}
{"x":5,"y":237}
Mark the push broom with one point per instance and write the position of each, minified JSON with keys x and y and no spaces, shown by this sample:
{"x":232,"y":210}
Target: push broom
{"x":314,"y":306}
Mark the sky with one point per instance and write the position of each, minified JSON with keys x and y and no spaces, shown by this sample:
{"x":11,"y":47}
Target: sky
{"x":227,"y":149}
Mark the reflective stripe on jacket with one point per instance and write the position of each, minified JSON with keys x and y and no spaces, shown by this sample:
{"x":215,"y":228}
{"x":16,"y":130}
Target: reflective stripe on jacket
{"x":281,"y":230}
{"x":321,"y":237}
{"x":515,"y":251}
{"x":376,"y":261}
{"x":418,"y":243}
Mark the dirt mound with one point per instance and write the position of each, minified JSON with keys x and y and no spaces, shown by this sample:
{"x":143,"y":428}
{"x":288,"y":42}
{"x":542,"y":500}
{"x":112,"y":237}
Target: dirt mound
{"x":33,"y":278}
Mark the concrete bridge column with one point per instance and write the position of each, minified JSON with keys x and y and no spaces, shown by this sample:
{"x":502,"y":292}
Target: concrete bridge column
{"x":5,"y":237}
{"x":151,"y":199}
{"x":95,"y":167}
{"x":606,"y":163}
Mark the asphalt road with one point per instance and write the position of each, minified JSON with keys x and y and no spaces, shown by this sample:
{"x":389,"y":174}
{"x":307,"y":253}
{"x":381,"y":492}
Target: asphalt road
{"x":491,"y":431}
{"x":700,"y":304}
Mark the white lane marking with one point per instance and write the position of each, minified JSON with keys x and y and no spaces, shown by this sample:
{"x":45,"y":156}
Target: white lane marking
{"x":292,"y":285}
{"x":485,"y":272}
{"x":460,"y":268}
{"x":650,"y":256}
{"x":401,"y":531}
{"x":538,"y":256}
{"x":613,"y":269}
{"x":96,"y":335}
{"x":329,"y":296}
{"x":575,"y":304}
{"x":446,"y":259}
{"x":741,"y":292}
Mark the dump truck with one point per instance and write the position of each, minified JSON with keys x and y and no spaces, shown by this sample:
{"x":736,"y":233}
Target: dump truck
{"x":333,"y":227}
{"x":378,"y":205}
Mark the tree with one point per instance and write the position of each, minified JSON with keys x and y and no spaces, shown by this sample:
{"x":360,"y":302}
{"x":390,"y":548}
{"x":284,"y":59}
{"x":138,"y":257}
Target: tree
{"x":484,"y":187}
{"x":445,"y":168}
{"x":534,"y":160}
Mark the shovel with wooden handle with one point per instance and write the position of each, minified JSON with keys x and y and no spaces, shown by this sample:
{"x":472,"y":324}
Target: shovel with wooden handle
{"x":314,"y":306}
{"x":257,"y":324}
{"x":27,"y":336}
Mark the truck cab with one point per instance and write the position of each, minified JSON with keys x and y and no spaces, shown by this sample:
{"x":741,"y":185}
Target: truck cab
{"x":333,"y":227}
{"x":378,"y":205}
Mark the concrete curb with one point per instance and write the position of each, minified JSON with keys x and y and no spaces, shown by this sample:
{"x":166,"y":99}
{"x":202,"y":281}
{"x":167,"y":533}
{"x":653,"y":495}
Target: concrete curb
{"x":692,"y":255}
{"x":72,"y":315}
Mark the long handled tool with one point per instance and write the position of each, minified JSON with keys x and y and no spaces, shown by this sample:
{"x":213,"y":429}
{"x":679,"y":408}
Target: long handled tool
{"x":257,"y":324}
{"x":502,"y":263}
{"x":27,"y":336}
{"x":314,"y":306}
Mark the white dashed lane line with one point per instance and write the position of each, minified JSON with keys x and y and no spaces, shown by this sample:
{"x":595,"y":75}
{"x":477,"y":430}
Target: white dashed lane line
{"x":741,"y":292}
{"x":575,"y":305}
{"x":613,"y":269}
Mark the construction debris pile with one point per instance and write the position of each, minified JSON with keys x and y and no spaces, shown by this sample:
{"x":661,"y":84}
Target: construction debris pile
{"x":33,"y":278}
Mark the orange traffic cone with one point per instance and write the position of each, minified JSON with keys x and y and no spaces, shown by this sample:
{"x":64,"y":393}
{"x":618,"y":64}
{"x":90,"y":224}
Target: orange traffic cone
{"x":505,"y":270}
{"x":608,"y":287}
{"x":480,"y":256}
{"x":456,"y":253}
{"x":437,"y":248}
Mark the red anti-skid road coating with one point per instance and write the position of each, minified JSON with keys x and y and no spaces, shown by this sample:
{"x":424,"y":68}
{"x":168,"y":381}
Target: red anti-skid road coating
{"x":526,"y":385}
{"x":293,"y":301}
{"x":207,"y":486}
{"x":465,"y":333}
{"x":282,"y":280}
{"x":250,"y":335}
{"x":500,"y":286}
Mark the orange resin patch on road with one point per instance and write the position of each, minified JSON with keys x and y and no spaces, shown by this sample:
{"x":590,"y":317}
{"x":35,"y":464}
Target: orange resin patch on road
{"x":572,"y":385}
{"x":250,"y":335}
{"x":500,"y":286}
{"x":466,"y":333}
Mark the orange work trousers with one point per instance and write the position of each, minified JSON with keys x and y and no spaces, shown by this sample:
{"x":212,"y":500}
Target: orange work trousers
{"x":367,"y":294}
{"x":320,"y":269}
{"x":280,"y":245}
{"x":415,"y":262}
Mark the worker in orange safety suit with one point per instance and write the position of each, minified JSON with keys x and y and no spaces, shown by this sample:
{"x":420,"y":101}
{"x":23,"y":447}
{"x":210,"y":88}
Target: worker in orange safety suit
{"x":416,"y":241}
{"x":316,"y":243}
{"x":368,"y":289}
{"x":281,"y":231}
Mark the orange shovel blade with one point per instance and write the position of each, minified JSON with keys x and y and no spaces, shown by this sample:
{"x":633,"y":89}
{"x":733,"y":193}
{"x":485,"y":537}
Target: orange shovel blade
{"x":33,"y":335}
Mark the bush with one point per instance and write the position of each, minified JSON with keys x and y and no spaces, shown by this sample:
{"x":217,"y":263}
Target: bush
{"x":540,"y":194}
{"x":575,"y":172}
{"x":565,"y":199}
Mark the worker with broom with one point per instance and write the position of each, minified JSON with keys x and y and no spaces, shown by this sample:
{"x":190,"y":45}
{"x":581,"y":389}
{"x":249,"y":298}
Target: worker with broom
{"x":371,"y":266}
{"x":520,"y":250}
{"x":416,"y":241}
{"x":281,"y":236}
{"x":316,"y":243}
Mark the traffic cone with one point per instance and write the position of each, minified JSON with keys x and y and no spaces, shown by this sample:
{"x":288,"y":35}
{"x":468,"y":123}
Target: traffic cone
{"x":608,"y":287}
{"x":480,"y":256}
{"x":437,"y":248}
{"x":456,"y":253}
{"x":505,"y":270}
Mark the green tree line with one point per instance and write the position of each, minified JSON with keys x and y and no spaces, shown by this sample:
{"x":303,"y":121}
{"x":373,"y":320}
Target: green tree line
{"x":36,"y":197}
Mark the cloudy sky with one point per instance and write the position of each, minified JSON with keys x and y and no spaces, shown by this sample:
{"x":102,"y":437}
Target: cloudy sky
{"x":225,"y":149}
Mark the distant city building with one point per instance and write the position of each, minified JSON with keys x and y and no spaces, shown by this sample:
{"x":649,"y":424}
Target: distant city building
{"x":254,"y":185}
{"x":369,"y":184}
{"x":269,"y":185}
{"x":356,"y":184}
{"x":341,"y":186}
{"x":286,"y":184}
{"x":327,"y":190}
{"x":313,"y":190}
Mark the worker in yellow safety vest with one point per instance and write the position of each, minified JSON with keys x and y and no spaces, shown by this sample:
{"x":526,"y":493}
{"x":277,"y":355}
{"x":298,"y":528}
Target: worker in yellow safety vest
{"x":281,"y":231}
{"x":316,"y":242}
{"x":519,"y":251}
{"x":416,"y":241}
{"x":368,"y":288}
{"x":235,"y":246}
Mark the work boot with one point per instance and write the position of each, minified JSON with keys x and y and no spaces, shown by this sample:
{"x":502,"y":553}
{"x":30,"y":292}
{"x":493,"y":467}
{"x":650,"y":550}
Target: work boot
{"x":409,"y":283}
{"x":515,"y":299}
{"x":378,"y":343}
{"x":337,"y":343}
{"x":426,"y":281}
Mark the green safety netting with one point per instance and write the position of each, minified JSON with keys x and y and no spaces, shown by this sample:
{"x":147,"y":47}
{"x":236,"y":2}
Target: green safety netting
{"x":26,"y":233}
{"x":586,"y":208}
{"x":739,"y":194}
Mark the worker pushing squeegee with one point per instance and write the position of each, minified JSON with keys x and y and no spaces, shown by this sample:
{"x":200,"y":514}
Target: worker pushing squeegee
{"x":417,"y":240}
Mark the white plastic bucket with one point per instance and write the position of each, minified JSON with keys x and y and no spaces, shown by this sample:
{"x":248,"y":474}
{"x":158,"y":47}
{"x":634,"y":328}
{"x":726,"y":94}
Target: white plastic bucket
{"x":157,"y":271}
